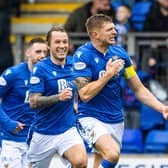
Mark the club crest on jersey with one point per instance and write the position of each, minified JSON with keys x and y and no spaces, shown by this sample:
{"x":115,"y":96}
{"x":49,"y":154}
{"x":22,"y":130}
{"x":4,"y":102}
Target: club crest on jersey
{"x":79,"y":65}
{"x":3,"y":81}
{"x":96,"y":60}
{"x":34,"y":80}
{"x":115,"y":57}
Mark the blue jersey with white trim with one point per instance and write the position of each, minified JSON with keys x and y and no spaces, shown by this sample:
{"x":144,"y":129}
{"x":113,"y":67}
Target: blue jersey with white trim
{"x":107,"y":104}
{"x":49,"y":79}
{"x":14,"y":86}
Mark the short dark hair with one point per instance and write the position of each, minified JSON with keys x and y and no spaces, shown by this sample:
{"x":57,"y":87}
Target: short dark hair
{"x":54,"y":28}
{"x":35,"y":40}
{"x":96,"y":21}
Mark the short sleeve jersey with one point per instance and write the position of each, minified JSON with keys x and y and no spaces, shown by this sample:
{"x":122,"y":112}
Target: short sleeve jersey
{"x":48,"y":79}
{"x":14,"y":91}
{"x":107,"y":104}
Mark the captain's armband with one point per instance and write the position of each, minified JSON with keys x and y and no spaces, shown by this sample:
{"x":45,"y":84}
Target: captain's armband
{"x":129,"y":72}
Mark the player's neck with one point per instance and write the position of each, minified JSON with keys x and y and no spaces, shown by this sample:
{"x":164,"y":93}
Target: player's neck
{"x":100,"y":48}
{"x":30,"y":65}
{"x":58,"y":61}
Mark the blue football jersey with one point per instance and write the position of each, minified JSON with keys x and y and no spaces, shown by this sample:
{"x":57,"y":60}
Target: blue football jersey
{"x":107,"y":104}
{"x":6,"y":122}
{"x":14,"y":91}
{"x":49,"y":79}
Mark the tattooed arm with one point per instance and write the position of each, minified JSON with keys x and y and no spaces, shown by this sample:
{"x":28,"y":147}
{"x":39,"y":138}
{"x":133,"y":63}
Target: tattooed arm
{"x":87,"y":89}
{"x":37,"y":100}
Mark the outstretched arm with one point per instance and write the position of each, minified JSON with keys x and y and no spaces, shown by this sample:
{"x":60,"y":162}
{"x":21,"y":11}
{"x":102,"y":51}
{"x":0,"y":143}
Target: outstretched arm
{"x":146,"y":97}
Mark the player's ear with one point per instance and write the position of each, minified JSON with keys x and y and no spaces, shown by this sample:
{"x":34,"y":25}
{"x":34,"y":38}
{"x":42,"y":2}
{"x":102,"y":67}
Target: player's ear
{"x":94,"y":34}
{"x":48,"y":47}
{"x":27,"y":52}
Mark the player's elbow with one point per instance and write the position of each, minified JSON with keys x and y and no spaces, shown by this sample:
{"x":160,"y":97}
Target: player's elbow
{"x":33,"y":103}
{"x":84,"y":98}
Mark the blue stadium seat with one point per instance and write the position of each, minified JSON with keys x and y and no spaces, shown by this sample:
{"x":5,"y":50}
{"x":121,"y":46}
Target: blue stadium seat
{"x":115,"y":5}
{"x":150,"y":118}
{"x":132,"y":141}
{"x":139,"y":11}
{"x":156,"y":141}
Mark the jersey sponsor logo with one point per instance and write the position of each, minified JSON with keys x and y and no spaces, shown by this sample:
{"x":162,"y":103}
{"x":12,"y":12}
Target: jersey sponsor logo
{"x":62,"y":84}
{"x":101,"y":73}
{"x":79,"y":65}
{"x":27,"y":97}
{"x":3,"y":82}
{"x":34,"y":80}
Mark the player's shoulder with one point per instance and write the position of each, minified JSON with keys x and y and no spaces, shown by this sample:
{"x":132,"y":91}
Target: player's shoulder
{"x":86,"y":47}
{"x":118,"y":50}
{"x":14,"y":72}
{"x":43,"y":63}
{"x":19,"y":68}
{"x":84,"y":51}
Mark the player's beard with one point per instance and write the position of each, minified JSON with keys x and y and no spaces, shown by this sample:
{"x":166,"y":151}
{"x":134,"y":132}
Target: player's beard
{"x":59,"y":58}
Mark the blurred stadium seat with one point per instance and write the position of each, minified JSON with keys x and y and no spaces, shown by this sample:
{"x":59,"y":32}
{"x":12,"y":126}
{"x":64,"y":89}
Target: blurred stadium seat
{"x":43,"y":14}
{"x":156,"y":142}
{"x":139,"y":11}
{"x":132,"y":141}
{"x":150,"y":118}
{"x":115,"y":5}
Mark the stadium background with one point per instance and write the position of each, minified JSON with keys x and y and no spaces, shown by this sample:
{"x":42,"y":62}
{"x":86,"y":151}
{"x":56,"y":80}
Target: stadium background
{"x":37,"y":18}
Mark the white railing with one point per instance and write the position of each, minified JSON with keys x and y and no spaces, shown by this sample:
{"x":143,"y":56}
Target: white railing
{"x":133,"y":40}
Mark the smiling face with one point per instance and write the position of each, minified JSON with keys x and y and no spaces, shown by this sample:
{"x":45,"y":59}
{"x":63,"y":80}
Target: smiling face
{"x":58,"y":45}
